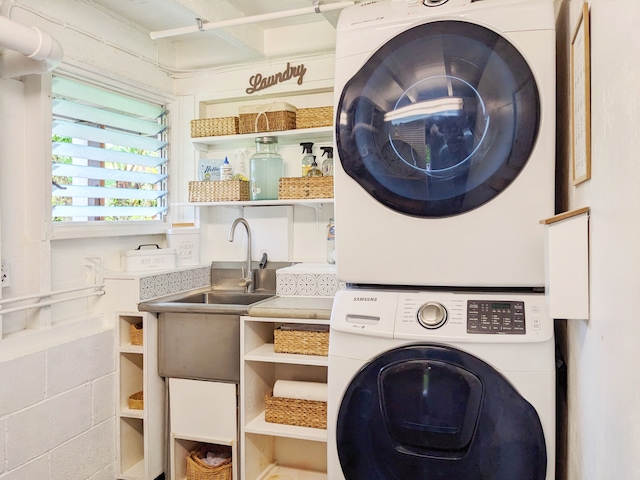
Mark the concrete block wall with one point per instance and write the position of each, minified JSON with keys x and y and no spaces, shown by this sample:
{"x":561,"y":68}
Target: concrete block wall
{"x":57,"y":412}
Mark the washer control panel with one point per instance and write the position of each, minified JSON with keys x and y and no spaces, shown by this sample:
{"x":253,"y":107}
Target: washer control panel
{"x":500,"y":317}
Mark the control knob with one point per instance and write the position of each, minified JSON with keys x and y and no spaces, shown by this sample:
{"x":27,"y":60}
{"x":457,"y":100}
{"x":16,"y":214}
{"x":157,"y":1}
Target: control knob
{"x":432,"y":315}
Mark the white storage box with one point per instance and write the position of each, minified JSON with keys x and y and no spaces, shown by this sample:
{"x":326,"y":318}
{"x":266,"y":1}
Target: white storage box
{"x":186,"y":241}
{"x":148,"y":257}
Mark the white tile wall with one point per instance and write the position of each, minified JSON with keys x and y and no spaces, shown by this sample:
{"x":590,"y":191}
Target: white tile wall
{"x":41,"y":427}
{"x":57,"y":421}
{"x":22,"y":382}
{"x":73,"y":364}
{"x":103,"y":398}
{"x":67,"y":460}
{"x":2,"y":429}
{"x":38,"y":469}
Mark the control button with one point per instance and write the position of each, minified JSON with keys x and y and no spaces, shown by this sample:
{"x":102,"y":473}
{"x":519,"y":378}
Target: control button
{"x":432,"y":315}
{"x":535,"y":323}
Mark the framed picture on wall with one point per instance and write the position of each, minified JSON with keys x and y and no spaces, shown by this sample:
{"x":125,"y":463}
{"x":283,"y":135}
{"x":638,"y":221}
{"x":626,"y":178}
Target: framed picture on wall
{"x":581,"y":99}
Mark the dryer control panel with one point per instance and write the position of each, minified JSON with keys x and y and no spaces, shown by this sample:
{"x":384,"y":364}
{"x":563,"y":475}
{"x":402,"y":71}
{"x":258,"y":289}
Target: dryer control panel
{"x":499,"y":316}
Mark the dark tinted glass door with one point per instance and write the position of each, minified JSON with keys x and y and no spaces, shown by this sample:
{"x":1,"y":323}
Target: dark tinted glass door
{"x":439,"y":120}
{"x":428,"y":412}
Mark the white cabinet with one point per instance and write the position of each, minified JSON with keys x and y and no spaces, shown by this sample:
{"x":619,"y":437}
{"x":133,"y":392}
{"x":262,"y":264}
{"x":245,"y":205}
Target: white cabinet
{"x":270,"y":450}
{"x":140,"y":444}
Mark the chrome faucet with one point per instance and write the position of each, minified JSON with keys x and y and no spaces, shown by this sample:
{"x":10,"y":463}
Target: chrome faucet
{"x":247,"y":275}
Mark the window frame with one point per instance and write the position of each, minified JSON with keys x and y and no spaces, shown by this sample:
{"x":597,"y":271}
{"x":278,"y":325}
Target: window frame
{"x":95,"y":229}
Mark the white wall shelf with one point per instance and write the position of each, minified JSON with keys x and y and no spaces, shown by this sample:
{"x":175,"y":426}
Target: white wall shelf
{"x":289,"y":450}
{"x":285,"y":138}
{"x":311,"y":202}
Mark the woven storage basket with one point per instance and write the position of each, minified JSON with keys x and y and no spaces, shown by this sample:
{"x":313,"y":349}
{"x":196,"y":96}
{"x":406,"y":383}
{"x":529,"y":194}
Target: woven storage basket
{"x":301,"y":341}
{"x":211,"y":127}
{"x":219,"y":191}
{"x":290,"y":188}
{"x":136,"y":333}
{"x":294,"y":411}
{"x":197,"y":469}
{"x":314,"y":117}
{"x":136,"y":401}
{"x":267,"y":118}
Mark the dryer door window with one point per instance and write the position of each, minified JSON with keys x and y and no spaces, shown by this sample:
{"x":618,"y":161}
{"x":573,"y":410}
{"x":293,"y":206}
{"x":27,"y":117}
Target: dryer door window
{"x":439,"y":120}
{"x":427,"y":412}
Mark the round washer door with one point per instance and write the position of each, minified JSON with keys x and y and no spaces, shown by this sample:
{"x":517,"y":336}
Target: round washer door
{"x":440,"y":120}
{"x":429,"y":412}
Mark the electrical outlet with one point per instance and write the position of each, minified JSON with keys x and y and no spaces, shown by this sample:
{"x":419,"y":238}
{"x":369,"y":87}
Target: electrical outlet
{"x":4,"y":273}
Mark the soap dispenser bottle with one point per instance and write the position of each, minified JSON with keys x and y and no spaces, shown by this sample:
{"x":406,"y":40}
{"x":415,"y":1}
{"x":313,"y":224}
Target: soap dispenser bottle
{"x":327,"y":165}
{"x":314,"y":171}
{"x":307,"y":157}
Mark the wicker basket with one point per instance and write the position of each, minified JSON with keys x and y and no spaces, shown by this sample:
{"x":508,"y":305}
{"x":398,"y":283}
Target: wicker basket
{"x":291,"y":188}
{"x":314,"y":117}
{"x":197,"y":469}
{"x":136,"y":333}
{"x":211,"y":127}
{"x":301,"y":342}
{"x":267,"y":118}
{"x":136,"y":401}
{"x":294,"y":411}
{"x":219,"y":191}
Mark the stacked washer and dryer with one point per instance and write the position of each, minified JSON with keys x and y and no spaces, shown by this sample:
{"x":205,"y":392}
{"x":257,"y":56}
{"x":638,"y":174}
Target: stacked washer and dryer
{"x":441,"y":351}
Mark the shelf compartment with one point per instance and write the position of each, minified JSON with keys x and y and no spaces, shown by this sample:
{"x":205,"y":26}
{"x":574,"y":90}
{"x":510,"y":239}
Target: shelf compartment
{"x":182,"y":446}
{"x":259,"y":426}
{"x":265,"y":353}
{"x":132,"y":448}
{"x":125,"y":330}
{"x":131,"y":377}
{"x":298,"y":459}
{"x":281,"y":472}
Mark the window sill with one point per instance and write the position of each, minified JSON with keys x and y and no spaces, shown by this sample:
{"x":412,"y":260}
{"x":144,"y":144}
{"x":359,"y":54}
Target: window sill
{"x":110,"y":229}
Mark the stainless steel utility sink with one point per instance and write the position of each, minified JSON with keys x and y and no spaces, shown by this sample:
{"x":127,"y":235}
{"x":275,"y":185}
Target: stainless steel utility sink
{"x":199,"y":330}
{"x":225,"y":298}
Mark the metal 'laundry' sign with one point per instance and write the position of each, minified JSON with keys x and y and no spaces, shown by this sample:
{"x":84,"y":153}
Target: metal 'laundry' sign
{"x":259,"y":82}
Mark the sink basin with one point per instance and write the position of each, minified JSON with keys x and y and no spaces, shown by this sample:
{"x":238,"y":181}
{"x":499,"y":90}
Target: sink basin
{"x":225,"y":298}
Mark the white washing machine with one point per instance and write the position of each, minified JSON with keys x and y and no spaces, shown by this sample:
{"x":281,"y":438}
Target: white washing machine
{"x":445,"y":142}
{"x":429,"y":385}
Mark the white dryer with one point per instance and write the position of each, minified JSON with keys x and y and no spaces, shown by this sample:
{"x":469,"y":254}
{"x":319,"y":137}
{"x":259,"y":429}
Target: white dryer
{"x":429,"y":385}
{"x":445,"y":142}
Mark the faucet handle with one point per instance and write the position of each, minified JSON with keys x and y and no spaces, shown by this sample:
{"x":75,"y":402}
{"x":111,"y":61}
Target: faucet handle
{"x":247,"y":283}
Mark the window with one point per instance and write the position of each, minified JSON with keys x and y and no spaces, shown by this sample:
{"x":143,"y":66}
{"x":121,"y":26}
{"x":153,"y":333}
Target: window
{"x":108,"y":155}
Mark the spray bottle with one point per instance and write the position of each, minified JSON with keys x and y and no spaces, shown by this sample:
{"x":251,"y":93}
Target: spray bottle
{"x":307,"y":157}
{"x":327,"y":165}
{"x":241,"y":171}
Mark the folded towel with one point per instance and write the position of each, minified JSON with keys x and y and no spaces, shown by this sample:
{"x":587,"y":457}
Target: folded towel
{"x":301,"y":390}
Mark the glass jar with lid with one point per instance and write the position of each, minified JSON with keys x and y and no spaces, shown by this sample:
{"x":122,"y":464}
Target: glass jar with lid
{"x":266,"y":167}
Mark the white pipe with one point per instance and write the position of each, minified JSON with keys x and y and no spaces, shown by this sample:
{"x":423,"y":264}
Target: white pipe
{"x":33,"y":50}
{"x":253,"y":19}
{"x":50,"y":294}
{"x":50,"y":302}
